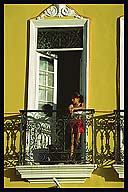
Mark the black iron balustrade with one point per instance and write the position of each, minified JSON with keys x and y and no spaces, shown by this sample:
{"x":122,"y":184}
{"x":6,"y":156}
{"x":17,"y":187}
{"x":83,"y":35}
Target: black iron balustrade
{"x":108,"y":138}
{"x":104,"y":134}
{"x":119,"y":136}
{"x":46,"y":139}
{"x":11,"y":140}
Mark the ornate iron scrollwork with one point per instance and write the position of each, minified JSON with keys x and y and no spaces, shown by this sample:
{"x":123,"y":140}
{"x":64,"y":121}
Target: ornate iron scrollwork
{"x":51,"y":38}
{"x":104,"y":138}
{"x":11,"y":133}
{"x":119,"y":136}
{"x":46,"y":137}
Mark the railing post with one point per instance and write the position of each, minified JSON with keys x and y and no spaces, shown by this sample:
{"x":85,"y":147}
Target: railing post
{"x":88,"y":121}
{"x":119,"y":129}
{"x":22,"y":140}
{"x":84,"y":145}
{"x":93,"y":139}
{"x":117,"y":139}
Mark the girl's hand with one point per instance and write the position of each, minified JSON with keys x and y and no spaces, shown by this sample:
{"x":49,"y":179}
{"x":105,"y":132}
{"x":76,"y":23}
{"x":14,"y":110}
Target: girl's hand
{"x":71,"y":108}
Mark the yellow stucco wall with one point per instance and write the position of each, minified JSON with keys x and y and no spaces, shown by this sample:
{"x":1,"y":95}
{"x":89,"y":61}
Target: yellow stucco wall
{"x":103,"y":60}
{"x":103,"y":53}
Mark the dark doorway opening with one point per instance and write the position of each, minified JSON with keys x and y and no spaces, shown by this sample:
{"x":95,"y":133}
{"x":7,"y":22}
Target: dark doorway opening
{"x":68,"y":78}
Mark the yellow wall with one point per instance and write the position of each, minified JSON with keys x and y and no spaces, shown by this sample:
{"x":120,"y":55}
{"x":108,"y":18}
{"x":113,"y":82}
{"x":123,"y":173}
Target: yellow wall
{"x":103,"y":55}
{"x":103,"y":59}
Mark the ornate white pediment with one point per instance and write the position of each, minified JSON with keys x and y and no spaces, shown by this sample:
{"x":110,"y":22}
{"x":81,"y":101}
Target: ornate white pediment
{"x":58,"y":10}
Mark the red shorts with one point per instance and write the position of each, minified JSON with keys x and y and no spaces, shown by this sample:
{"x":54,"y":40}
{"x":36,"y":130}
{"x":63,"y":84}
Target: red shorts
{"x":77,"y":126}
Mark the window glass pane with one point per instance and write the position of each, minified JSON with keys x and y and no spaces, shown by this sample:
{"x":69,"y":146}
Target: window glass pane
{"x":50,"y":79}
{"x":51,"y":67}
{"x":46,"y":64}
{"x":43,"y":63}
{"x":50,"y":95}
{"x":42,"y":78}
{"x":46,"y":81}
{"x":40,"y":105}
{"x":42,"y":94}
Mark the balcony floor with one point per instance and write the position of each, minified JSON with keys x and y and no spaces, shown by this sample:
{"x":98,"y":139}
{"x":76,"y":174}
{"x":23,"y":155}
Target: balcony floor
{"x":120,"y":170}
{"x":64,"y":173}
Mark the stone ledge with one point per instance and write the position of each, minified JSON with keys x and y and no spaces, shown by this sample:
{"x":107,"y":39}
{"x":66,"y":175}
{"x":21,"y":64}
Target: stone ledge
{"x":71,"y":173}
{"x":120,"y":170}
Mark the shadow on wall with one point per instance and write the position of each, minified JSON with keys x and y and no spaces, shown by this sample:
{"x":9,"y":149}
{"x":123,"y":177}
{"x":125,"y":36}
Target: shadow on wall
{"x":12,"y":174}
{"x":108,"y":173}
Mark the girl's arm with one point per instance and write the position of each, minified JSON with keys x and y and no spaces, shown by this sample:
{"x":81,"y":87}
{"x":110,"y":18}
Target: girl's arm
{"x":79,"y":108}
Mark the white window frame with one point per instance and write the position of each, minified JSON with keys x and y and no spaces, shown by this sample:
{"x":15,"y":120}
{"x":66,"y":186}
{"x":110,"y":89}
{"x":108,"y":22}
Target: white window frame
{"x":55,"y":76}
{"x":33,"y":66}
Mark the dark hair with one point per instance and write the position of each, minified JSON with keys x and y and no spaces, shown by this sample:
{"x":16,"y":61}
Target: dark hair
{"x":77,"y":95}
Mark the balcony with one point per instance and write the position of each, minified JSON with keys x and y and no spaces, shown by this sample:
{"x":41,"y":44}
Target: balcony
{"x":44,"y":149}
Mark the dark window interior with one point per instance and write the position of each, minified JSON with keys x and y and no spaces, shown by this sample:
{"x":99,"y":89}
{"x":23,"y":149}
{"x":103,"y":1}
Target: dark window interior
{"x":68,"y":78}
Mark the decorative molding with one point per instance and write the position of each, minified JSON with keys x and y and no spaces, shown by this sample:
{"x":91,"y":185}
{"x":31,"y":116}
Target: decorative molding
{"x":58,"y":10}
{"x":120,"y":170}
{"x":75,"y":173}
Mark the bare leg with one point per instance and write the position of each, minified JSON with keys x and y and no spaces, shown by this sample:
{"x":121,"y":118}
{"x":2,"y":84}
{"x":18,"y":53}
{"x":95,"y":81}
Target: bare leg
{"x":77,"y":139}
{"x":72,"y":145}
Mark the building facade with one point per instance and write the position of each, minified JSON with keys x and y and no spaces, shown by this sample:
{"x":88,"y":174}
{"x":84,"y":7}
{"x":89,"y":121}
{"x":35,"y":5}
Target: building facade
{"x":94,"y":61}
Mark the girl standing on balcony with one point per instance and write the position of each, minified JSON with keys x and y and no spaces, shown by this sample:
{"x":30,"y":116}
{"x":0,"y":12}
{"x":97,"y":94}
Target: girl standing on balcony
{"x":76,"y":123}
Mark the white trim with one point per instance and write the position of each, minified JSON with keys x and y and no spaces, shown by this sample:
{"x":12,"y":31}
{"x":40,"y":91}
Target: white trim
{"x":65,"y":173}
{"x":120,"y":170}
{"x":55,"y":81}
{"x":59,"y":23}
{"x":87,"y":72}
{"x":33,"y":79}
{"x":61,"y":49}
{"x":32,"y":68}
{"x":37,"y":79}
{"x":122,"y":63}
{"x":84,"y":68}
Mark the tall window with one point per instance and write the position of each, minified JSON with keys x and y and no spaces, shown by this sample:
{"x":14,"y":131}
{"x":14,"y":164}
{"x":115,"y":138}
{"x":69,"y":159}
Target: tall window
{"x":47,"y":37}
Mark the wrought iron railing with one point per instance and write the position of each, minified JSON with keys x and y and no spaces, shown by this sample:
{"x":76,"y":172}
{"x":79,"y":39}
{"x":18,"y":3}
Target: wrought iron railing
{"x":11,"y":139}
{"x":109,"y":134}
{"x":119,"y":136}
{"x":46,"y":139}
{"x":104,"y":138}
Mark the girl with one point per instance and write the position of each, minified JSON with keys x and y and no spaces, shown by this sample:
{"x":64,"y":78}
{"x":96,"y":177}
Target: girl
{"x":76,"y":124}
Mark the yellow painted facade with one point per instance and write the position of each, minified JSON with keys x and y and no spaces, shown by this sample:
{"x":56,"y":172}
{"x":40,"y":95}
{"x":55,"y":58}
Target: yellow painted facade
{"x":102,"y":62}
